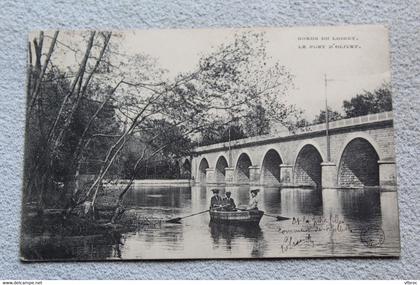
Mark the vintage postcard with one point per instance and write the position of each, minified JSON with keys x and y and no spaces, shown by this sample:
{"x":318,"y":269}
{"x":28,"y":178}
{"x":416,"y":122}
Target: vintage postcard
{"x":208,"y":144}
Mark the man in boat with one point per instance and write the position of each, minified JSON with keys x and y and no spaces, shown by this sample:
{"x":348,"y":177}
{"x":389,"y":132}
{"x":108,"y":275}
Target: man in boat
{"x":215,"y":201}
{"x":253,"y":202}
{"x":229,"y":203}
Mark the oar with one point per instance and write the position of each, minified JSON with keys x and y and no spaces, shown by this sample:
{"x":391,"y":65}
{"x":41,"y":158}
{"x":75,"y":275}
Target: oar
{"x":176,"y":220}
{"x":279,"y":218}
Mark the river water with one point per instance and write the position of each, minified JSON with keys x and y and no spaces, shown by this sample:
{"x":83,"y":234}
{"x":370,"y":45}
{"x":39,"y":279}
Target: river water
{"x":323,"y":223}
{"x":329,"y":222}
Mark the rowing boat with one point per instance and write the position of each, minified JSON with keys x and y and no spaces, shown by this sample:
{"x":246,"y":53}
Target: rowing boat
{"x":245,"y":217}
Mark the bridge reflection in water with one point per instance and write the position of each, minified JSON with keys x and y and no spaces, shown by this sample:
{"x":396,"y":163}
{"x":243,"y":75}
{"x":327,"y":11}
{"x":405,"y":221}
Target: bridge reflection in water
{"x":340,"y":214}
{"x":328,"y":222}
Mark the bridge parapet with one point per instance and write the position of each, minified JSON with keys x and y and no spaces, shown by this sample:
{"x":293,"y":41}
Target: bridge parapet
{"x":351,"y":122}
{"x":361,"y":154}
{"x":334,"y":125}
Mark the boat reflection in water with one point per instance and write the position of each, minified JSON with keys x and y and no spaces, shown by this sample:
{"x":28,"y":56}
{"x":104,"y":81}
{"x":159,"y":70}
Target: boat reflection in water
{"x":224,"y":235}
{"x":347,"y":222}
{"x":346,"y":219}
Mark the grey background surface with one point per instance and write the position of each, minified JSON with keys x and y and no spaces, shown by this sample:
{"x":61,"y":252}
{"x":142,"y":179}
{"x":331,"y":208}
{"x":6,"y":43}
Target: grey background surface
{"x":19,"y":17}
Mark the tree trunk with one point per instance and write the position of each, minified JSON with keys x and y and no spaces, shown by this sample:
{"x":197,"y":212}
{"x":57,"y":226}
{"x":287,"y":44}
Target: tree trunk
{"x":38,"y":51}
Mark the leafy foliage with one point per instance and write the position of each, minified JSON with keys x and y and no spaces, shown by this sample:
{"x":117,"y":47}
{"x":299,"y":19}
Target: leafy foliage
{"x":369,"y":102}
{"x":379,"y":100}
{"x":110,"y":114}
{"x":332,"y":116}
{"x":222,"y":133}
{"x":257,"y":122}
{"x":59,"y":163}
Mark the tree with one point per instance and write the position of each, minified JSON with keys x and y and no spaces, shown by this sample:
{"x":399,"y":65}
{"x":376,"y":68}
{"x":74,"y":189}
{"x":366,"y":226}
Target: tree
{"x":256,"y":122}
{"x":379,"y":100}
{"x":332,"y":116}
{"x":222,"y":133}
{"x":65,"y":109}
{"x":232,"y":132}
{"x":226,"y":85}
{"x":59,"y":163}
{"x":302,"y":123}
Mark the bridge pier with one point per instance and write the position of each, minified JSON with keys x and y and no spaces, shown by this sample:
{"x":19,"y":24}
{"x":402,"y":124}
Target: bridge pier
{"x":229,"y":174}
{"x":328,"y":174}
{"x":210,"y":175}
{"x":254,"y":175}
{"x":387,"y":173}
{"x":286,"y":174}
{"x":362,"y":155}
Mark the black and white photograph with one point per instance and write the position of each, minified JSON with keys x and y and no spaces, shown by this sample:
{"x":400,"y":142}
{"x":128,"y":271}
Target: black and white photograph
{"x":214,"y":143}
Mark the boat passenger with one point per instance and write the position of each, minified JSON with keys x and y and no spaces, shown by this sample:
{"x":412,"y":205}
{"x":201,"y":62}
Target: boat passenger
{"x":253,"y":202}
{"x":229,"y":202}
{"x":216,"y":200}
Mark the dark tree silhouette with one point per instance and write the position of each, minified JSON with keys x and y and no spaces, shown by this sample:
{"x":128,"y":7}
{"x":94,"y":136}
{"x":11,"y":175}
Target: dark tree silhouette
{"x":379,"y":100}
{"x":332,"y":116}
{"x":257,"y":122}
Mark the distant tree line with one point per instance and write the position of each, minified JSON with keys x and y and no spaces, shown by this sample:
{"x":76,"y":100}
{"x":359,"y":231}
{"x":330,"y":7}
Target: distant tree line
{"x":369,"y":102}
{"x":257,"y":123}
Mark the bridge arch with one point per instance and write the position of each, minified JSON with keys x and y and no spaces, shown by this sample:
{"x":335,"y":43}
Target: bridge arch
{"x":241,"y":174}
{"x":220,"y":169}
{"x":270,"y":168}
{"x":307,"y":167}
{"x":358,"y":162}
{"x":202,"y":170}
{"x":362,"y":135}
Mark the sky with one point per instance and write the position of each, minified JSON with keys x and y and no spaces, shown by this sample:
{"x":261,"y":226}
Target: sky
{"x":349,"y":71}
{"x":353,"y":58}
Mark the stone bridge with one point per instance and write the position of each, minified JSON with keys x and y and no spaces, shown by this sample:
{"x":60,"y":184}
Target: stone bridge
{"x":357,"y":152}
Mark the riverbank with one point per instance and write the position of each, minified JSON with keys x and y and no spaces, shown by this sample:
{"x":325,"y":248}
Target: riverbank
{"x":151,"y":182}
{"x":52,"y":236}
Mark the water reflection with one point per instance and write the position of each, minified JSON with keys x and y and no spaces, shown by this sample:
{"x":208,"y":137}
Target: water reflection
{"x":117,"y":242}
{"x":327,"y":222}
{"x":152,"y":196}
{"x":225,"y":235}
{"x":357,"y":205}
{"x":296,"y":201}
{"x":344,"y":214}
